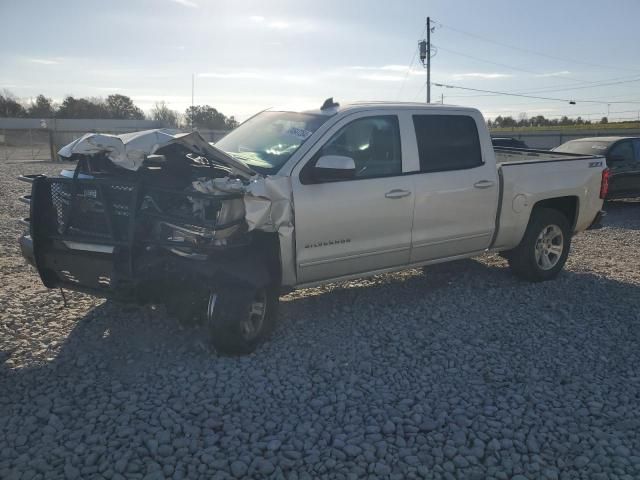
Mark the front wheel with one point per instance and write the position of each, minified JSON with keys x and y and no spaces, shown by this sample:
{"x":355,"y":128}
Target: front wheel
{"x":238,"y":319}
{"x":544,"y":248}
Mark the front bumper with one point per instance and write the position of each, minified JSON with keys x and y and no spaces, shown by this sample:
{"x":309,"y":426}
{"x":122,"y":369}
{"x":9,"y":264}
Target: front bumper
{"x":95,"y":236}
{"x":597,"y":221}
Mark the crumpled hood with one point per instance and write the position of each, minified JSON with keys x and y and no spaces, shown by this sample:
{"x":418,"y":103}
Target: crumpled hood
{"x":130,"y":149}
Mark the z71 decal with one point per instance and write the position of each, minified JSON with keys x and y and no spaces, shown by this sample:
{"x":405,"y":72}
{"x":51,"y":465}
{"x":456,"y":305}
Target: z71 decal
{"x":595,"y":164}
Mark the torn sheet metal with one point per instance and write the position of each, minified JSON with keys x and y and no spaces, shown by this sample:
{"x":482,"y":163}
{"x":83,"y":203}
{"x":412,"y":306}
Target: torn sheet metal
{"x":268,"y":204}
{"x":130,"y":149}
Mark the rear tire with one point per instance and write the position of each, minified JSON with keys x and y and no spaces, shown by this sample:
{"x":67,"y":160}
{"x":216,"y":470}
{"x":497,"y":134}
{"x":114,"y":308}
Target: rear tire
{"x":238,"y":319}
{"x":544,"y":248}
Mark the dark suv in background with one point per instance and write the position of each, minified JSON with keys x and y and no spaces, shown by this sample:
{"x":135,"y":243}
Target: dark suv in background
{"x":623,"y":160}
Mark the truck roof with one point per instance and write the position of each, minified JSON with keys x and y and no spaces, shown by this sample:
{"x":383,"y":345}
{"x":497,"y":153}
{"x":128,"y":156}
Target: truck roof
{"x":368,"y":105}
{"x":602,"y":139}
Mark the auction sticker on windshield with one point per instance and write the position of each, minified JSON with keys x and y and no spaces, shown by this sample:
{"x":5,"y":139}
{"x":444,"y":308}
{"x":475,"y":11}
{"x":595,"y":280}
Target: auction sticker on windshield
{"x":299,"y":133}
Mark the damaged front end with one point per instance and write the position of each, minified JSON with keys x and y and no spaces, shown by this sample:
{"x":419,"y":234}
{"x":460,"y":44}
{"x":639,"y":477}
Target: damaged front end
{"x":148,"y":215}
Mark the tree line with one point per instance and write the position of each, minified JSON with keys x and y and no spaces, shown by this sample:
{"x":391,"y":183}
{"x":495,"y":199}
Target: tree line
{"x":538,"y":121}
{"x":115,"y":106}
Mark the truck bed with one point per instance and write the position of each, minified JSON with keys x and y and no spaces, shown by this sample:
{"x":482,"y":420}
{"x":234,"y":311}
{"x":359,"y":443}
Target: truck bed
{"x":506,"y":155}
{"x":530,"y":176}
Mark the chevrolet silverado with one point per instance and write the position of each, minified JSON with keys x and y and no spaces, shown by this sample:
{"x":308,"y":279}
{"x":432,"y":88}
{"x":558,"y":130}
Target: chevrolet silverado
{"x":296,"y":199}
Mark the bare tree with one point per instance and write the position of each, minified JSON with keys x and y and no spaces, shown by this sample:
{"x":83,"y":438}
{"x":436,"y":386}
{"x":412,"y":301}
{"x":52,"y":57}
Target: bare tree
{"x":162,"y":113}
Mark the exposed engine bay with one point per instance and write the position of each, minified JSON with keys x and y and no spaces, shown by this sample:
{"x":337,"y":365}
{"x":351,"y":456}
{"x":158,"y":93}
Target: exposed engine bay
{"x":194,"y":192}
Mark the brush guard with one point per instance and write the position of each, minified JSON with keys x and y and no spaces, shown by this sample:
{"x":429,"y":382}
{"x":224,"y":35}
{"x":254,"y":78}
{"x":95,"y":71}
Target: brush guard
{"x":109,"y":238}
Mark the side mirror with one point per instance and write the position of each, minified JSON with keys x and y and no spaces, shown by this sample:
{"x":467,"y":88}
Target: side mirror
{"x":334,"y":167}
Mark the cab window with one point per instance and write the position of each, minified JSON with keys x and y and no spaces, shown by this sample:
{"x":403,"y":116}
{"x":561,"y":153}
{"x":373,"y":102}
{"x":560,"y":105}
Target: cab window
{"x":447,"y":142}
{"x":372,"y":142}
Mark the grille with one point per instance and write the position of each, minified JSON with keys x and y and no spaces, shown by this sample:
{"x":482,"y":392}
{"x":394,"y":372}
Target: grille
{"x":92,"y":209}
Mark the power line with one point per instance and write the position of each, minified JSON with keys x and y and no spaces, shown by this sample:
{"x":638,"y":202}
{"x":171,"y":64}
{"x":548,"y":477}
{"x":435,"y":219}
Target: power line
{"x":500,"y":93}
{"x":404,"y":80}
{"x":512,"y":67}
{"x":534,"y":52}
{"x":560,"y":88}
{"x":571,"y":101}
{"x":564,"y":89}
{"x":424,"y":85}
{"x":486,"y":61}
{"x":413,"y":59}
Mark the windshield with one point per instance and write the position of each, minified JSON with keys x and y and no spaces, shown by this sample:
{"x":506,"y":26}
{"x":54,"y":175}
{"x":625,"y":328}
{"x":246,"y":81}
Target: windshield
{"x":584,"y":147}
{"x":266,"y":141}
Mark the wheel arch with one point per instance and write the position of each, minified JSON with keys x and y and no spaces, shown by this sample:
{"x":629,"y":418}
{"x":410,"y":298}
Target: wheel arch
{"x":267,"y":247}
{"x":569,"y":206}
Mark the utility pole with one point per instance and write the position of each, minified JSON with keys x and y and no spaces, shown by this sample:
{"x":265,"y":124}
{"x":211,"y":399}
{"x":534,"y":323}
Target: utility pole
{"x":425,"y":57}
{"x":193,"y":89}
{"x":428,"y":60}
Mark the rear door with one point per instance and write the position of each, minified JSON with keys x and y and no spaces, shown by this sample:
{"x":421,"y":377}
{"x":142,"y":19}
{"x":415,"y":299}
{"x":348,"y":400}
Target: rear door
{"x":346,"y":227}
{"x":622,"y":162}
{"x":456,"y":189}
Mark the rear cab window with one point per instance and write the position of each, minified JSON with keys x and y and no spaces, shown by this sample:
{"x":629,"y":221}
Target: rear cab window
{"x":447,"y":142}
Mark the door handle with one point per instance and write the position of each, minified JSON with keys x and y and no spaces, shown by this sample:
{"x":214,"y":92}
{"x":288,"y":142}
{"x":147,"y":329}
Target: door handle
{"x":397,"y":193}
{"x":484,"y":184}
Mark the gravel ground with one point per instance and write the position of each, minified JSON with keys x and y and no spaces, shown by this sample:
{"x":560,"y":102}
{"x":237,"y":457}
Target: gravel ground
{"x":462,"y":372}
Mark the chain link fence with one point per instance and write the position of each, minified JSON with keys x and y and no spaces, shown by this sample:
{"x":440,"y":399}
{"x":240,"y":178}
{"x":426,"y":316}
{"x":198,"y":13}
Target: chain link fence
{"x":27,"y":145}
{"x":42,"y":139}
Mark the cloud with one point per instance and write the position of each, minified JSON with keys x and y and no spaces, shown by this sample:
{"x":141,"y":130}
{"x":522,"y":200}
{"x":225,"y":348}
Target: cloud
{"x":387,"y":68}
{"x":279,"y":24}
{"x":44,"y":61}
{"x":360,"y":67}
{"x":486,"y":76}
{"x":259,"y":75}
{"x":235,"y":75}
{"x":554,"y":74}
{"x":296,"y":25}
{"x":382,"y":78}
{"x":186,"y":3}
{"x":395,"y":68}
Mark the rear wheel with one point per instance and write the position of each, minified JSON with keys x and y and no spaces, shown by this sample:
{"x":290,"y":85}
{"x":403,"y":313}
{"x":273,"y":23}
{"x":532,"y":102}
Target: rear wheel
{"x":238,"y":319}
{"x":544,"y":248}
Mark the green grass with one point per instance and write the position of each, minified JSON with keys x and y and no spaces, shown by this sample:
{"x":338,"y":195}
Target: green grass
{"x":593,"y":126}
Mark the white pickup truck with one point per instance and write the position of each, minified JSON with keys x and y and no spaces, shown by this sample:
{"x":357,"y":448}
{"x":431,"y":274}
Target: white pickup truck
{"x":296,"y":199}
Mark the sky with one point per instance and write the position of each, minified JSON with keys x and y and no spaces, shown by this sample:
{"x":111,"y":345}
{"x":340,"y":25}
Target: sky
{"x":246,"y":56}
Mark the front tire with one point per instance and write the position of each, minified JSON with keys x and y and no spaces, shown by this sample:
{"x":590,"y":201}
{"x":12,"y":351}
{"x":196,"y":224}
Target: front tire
{"x":238,"y":319}
{"x":544,"y":248}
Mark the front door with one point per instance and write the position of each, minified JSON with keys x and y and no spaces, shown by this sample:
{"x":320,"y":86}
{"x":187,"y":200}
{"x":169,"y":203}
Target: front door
{"x":346,"y":227}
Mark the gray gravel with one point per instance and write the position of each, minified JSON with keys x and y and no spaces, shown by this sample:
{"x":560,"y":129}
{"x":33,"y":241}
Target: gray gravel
{"x":462,"y":372}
